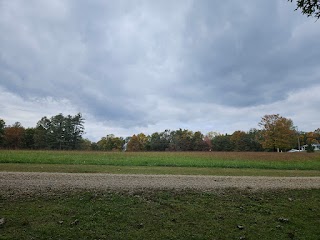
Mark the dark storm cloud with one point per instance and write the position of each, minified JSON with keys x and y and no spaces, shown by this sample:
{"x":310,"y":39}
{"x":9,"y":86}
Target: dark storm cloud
{"x":136,"y":63}
{"x":249,"y":54}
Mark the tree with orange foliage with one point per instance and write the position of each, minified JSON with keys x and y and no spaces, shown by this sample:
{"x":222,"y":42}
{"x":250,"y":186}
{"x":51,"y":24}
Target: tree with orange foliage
{"x":138,"y":143}
{"x":278,"y":133}
{"x":238,"y":140}
{"x":13,"y":136}
{"x":311,"y":137}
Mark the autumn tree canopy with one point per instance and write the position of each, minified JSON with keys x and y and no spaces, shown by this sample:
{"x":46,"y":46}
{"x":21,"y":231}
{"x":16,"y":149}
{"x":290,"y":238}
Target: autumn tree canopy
{"x":14,"y":135}
{"x":278,"y":133}
{"x":111,"y":143}
{"x":65,"y":133}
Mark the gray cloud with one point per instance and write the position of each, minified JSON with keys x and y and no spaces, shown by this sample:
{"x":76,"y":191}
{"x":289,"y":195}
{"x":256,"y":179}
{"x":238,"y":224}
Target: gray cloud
{"x":138,"y":64}
{"x":252,"y":56}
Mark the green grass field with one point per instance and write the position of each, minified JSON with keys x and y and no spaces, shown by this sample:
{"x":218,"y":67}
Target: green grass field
{"x":260,"y":160}
{"x":66,"y":168}
{"x":224,"y":214}
{"x":219,"y":214}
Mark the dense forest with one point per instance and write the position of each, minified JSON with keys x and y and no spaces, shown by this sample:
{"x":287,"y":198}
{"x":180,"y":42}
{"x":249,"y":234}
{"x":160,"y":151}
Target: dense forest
{"x":66,"y":133}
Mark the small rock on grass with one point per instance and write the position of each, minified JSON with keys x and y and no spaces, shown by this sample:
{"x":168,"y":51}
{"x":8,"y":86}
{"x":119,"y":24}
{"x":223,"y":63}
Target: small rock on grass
{"x":283,"y":220}
{"x":140,"y":225}
{"x":75,"y":222}
{"x":2,"y":221}
{"x":240,"y":227}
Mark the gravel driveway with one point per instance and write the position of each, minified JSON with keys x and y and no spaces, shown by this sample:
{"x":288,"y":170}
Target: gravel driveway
{"x":33,"y":182}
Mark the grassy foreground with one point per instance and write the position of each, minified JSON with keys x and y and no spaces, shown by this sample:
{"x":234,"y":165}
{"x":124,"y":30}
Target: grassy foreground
{"x":74,"y":168}
{"x":260,"y":160}
{"x":220,"y":214}
{"x":224,"y":214}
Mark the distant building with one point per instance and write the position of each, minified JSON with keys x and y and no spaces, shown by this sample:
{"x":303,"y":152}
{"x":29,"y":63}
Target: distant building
{"x":316,"y":147}
{"x":124,"y":147}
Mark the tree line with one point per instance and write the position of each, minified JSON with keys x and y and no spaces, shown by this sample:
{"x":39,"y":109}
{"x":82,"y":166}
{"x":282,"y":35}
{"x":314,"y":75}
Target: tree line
{"x":58,"y":132}
{"x":61,"y":132}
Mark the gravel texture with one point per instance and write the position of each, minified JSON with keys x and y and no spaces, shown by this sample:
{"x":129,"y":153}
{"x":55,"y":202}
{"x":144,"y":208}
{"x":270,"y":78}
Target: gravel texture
{"x":16,"y":183}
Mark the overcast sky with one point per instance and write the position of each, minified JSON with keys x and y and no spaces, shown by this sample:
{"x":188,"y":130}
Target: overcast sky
{"x":146,"y":66}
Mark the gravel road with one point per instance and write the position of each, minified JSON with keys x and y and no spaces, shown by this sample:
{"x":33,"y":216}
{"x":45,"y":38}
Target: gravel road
{"x":35,"y":182}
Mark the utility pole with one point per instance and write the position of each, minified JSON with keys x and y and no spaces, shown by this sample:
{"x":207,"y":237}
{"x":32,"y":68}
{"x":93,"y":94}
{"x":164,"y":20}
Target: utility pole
{"x":298,"y":140}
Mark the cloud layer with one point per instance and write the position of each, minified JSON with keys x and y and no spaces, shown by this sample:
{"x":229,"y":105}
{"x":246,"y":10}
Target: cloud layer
{"x":150,"y":65}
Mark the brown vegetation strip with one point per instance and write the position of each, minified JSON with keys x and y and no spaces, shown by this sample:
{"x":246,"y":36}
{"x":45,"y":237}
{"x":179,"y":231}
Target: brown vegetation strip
{"x":26,"y":182}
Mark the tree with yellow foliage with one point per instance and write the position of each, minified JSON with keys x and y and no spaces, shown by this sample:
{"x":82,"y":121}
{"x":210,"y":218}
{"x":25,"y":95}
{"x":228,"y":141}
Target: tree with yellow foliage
{"x":137,"y":143}
{"x":278,"y":133}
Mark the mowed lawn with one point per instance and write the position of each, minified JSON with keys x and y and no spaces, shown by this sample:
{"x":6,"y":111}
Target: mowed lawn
{"x":206,"y":163}
{"x":220,"y":214}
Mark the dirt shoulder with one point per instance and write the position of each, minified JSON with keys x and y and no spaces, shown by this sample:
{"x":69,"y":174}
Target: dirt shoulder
{"x":16,"y":183}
